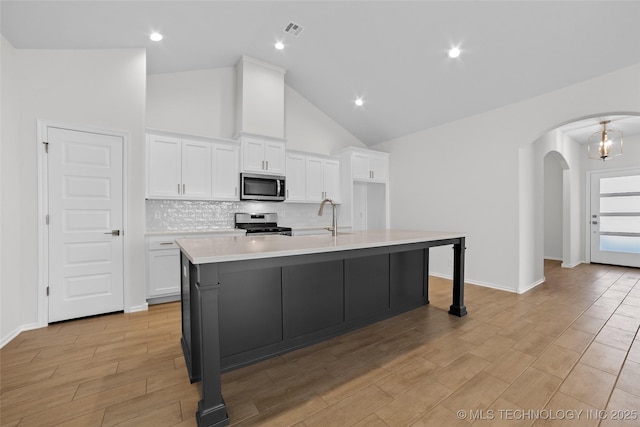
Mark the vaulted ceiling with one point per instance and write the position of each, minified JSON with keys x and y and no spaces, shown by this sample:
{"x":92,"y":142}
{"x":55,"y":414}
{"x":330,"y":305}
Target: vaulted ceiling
{"x":392,"y":54}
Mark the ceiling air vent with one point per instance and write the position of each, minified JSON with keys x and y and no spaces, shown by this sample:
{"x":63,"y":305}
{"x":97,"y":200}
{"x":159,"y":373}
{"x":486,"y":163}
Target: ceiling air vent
{"x":293,"y":29}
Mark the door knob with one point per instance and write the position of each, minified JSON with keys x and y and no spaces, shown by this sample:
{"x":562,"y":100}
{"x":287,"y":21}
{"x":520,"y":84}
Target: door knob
{"x":114,"y":232}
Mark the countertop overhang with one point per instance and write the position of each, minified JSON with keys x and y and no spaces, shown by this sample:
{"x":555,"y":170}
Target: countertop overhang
{"x":241,"y":248}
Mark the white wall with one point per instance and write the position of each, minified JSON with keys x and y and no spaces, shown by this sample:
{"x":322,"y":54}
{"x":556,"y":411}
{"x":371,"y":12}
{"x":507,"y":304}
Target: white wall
{"x":203,"y":103}
{"x":10,"y":277}
{"x":309,"y":129}
{"x":566,"y":152}
{"x":101,"y":89}
{"x":195,"y":102}
{"x":553,"y":206}
{"x":475,"y":175}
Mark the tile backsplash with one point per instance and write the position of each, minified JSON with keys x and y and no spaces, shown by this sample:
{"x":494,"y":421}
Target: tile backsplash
{"x":196,"y":215}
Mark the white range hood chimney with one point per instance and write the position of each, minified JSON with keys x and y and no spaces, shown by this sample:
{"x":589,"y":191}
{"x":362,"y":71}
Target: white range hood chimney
{"x":260,"y":98}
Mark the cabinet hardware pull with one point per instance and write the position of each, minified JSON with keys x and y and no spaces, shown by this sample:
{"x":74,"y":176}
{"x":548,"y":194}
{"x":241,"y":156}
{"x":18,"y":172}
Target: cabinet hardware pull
{"x":267,"y":162}
{"x":114,"y":232}
{"x":287,"y":193}
{"x":178,"y":188}
{"x":166,"y":243}
{"x":184,"y":188}
{"x":263,"y":165}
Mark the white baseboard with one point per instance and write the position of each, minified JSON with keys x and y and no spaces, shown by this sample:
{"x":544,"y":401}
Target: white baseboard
{"x":6,"y":340}
{"x":553,"y":258}
{"x":531,"y":286}
{"x":563,"y":265}
{"x":133,"y":309}
{"x":474,"y":282}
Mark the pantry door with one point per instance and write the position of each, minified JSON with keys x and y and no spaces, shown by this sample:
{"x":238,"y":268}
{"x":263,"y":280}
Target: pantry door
{"x":615,"y":217}
{"x":85,"y":195}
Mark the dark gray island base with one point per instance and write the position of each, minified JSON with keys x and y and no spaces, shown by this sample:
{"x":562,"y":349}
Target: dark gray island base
{"x":235,"y":313}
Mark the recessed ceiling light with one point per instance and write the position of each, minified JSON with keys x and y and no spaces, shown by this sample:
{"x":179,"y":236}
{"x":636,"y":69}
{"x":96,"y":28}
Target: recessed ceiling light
{"x":279,"y":45}
{"x":156,"y":37}
{"x":359,"y":102}
{"x":454,"y":52}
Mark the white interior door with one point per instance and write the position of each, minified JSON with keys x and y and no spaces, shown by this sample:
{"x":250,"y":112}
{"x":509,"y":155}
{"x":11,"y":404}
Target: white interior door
{"x":615,"y":218}
{"x":85,"y":224}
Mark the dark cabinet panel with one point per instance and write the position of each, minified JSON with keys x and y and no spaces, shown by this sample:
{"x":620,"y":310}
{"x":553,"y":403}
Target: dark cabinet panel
{"x":250,"y":309}
{"x":367,"y":286}
{"x":314,"y":297}
{"x":407,"y":278}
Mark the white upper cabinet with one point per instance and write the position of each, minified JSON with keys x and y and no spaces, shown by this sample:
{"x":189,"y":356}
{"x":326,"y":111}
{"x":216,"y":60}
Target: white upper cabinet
{"x":364,"y":184}
{"x":164,"y":167}
{"x":191,"y":168}
{"x":196,"y":170}
{"x":295,"y":177}
{"x":331,"y":179}
{"x":226,"y":172}
{"x":275,"y":157}
{"x":323,"y":179}
{"x":369,"y":165}
{"x":262,"y":155}
{"x":315,"y":180}
{"x":178,"y":168}
{"x":312,"y":178}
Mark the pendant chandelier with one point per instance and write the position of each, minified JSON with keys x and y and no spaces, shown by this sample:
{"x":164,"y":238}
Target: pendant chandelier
{"x":605,"y":144}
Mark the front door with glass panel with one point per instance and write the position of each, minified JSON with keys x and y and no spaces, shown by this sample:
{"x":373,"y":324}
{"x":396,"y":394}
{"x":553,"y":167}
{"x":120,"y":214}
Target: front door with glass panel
{"x":615,"y":217}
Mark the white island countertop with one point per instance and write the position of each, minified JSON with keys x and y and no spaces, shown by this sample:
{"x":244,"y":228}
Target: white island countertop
{"x":239,"y":248}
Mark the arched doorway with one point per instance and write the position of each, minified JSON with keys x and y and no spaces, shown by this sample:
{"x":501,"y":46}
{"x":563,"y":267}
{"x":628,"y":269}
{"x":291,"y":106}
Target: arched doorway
{"x":567,"y":139}
{"x":555,"y":220}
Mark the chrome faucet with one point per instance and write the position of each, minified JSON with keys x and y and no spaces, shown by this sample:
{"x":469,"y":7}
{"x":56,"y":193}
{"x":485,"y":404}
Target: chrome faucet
{"x":334,"y":228}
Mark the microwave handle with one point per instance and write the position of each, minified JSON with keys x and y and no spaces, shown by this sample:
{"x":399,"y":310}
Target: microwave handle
{"x":278,"y":187}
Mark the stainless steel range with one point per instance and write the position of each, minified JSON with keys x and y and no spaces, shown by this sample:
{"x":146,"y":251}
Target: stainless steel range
{"x":258,"y":224}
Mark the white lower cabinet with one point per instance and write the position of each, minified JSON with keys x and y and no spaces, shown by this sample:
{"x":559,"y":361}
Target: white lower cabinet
{"x":163,"y":264}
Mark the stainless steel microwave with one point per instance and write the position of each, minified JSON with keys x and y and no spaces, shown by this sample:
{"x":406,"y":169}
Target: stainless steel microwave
{"x":255,"y":186}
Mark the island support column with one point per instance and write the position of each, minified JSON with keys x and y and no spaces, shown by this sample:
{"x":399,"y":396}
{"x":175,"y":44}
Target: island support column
{"x":458,"y":308}
{"x":212,"y":411}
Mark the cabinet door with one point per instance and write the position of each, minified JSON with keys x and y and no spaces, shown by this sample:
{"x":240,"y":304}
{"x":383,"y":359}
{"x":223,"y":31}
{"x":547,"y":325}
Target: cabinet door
{"x":379,"y":166}
{"x":226,"y":172}
{"x":315,"y":184}
{"x":296,"y":179}
{"x":274,"y":157}
{"x":360,"y":166}
{"x":253,"y":155}
{"x":164,"y":272}
{"x":196,"y":170}
{"x":164,"y":167}
{"x":331,"y":179}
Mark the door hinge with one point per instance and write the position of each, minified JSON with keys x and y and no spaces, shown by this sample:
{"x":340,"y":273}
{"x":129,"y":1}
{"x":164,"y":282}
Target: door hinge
{"x":46,"y":219}
{"x":47,"y":291}
{"x":46,"y":146}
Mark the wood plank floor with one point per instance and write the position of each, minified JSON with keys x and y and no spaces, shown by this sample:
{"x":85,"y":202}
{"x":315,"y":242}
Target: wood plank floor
{"x":570,"y":344}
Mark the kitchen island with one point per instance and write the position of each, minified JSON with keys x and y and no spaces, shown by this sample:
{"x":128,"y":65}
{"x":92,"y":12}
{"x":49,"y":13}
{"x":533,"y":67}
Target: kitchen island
{"x":246,"y":299}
